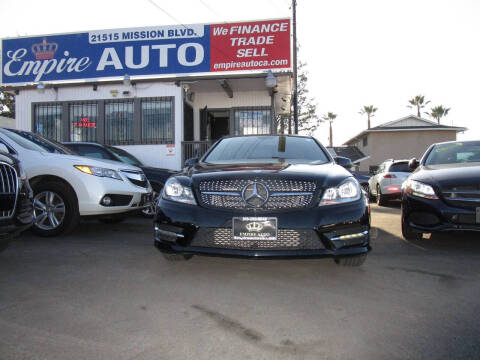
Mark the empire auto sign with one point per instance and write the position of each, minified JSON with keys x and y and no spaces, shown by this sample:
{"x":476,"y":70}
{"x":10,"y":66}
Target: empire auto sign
{"x":152,"y":51}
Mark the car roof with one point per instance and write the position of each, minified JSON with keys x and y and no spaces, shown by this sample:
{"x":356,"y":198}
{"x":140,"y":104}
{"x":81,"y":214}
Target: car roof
{"x":81,"y":143}
{"x":455,"y":142}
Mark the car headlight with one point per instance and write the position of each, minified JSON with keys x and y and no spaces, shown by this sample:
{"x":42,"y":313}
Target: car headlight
{"x":417,"y":188}
{"x":97,"y":171}
{"x":347,"y":191}
{"x":175,"y":191}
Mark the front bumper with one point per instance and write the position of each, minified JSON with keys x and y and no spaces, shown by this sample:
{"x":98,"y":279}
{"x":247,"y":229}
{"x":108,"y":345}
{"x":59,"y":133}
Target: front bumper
{"x":435,"y":215}
{"x":331,"y":231}
{"x":126,"y":196}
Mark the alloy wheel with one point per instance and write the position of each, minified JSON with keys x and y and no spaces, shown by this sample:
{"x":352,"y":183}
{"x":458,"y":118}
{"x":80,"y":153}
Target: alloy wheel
{"x":49,"y":210}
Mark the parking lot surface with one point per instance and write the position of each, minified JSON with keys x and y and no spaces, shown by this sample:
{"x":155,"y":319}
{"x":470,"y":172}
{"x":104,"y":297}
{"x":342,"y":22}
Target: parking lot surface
{"x":105,"y":292}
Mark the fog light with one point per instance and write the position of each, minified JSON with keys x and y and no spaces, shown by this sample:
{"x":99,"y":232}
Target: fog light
{"x":106,"y":201}
{"x":349,"y":239}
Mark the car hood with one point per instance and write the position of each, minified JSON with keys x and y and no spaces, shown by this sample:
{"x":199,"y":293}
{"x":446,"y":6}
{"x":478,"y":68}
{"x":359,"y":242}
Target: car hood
{"x":329,"y":174}
{"x":83,"y":160}
{"x":447,"y":175}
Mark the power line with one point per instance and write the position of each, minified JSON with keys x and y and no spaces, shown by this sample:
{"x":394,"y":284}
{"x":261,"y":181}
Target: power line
{"x":211,"y":10}
{"x":166,"y":13}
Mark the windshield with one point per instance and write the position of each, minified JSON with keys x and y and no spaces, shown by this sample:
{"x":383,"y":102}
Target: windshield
{"x":258,"y":149}
{"x":400,"y":167}
{"x":35,"y":142}
{"x":454,"y":153}
{"x":125,"y":156}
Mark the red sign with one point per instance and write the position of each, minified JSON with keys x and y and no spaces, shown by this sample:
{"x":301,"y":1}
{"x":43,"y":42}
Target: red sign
{"x":85,"y":123}
{"x":250,"y":45}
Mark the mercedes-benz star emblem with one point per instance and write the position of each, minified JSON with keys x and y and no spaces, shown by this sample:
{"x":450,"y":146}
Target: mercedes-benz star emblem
{"x":255,"y":194}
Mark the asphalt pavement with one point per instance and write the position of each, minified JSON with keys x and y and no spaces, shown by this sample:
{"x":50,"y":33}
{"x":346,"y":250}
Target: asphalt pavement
{"x":105,"y":292}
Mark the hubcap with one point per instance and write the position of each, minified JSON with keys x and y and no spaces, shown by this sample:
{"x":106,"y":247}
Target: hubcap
{"x":150,"y":211}
{"x":49,"y":210}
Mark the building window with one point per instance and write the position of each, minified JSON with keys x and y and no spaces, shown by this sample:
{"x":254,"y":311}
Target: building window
{"x":249,"y":122}
{"x":47,"y":121}
{"x":119,"y":123}
{"x":365,"y":140}
{"x":157,"y":121}
{"x":83,"y":122}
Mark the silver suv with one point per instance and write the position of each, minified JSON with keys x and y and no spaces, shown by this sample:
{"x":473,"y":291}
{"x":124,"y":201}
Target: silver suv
{"x":386,"y":183}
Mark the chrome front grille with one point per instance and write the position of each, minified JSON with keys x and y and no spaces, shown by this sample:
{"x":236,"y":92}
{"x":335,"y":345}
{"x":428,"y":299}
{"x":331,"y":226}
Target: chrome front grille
{"x":462,"y":196}
{"x":136,"y":178}
{"x":9,"y":190}
{"x":283,"y":194}
{"x":287,"y":239}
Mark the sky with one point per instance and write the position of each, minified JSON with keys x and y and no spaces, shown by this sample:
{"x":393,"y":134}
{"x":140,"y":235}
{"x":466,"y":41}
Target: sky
{"x":369,"y":52}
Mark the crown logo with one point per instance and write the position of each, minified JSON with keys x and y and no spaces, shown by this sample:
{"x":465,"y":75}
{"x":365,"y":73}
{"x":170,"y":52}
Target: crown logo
{"x":254,"y":226}
{"x":44,"y":50}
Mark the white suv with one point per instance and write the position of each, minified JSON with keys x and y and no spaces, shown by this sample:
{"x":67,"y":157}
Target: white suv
{"x":67,"y":186}
{"x":386,"y":183}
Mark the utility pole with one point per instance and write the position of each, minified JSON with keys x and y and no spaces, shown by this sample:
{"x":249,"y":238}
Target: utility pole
{"x":295,"y":97}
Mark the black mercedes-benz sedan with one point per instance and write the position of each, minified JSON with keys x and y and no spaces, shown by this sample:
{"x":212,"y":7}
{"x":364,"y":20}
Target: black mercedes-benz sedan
{"x":264,"y":196}
{"x":443,"y":193}
{"x":16,"y":207}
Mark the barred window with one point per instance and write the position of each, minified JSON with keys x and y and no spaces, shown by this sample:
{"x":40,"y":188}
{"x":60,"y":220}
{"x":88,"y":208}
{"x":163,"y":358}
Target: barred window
{"x":119,"y":122}
{"x":249,"y":122}
{"x":83,"y":121}
{"x":157,"y":121}
{"x":47,"y":121}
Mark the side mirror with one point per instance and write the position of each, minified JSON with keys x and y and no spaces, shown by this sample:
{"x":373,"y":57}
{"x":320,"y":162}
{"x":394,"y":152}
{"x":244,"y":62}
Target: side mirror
{"x":413,"y":163}
{"x":345,"y":162}
{"x":191,"y":162}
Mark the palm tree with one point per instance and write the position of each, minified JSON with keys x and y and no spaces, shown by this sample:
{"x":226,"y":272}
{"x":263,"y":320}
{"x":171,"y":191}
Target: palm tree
{"x":370,"y":111}
{"x":438,"y":112}
{"x":418,"y":102}
{"x":330,"y":117}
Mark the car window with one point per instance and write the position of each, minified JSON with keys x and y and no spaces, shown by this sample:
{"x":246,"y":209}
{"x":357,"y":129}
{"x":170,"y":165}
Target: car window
{"x":282,"y":149}
{"x":400,"y":167}
{"x":35,"y":142}
{"x":453,"y":153}
{"x":92,"y":151}
{"x":125,"y":156}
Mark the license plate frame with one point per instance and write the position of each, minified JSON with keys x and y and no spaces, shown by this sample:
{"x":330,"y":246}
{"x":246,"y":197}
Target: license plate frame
{"x":254,"y":228}
{"x":478,"y":216}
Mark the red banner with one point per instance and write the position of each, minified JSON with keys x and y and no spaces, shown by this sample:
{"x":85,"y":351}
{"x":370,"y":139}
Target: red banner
{"x":250,"y":45}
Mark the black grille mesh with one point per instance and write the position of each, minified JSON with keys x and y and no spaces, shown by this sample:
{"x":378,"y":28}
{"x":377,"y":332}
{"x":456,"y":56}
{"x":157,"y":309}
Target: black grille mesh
{"x":306,"y":190}
{"x":287,"y":239}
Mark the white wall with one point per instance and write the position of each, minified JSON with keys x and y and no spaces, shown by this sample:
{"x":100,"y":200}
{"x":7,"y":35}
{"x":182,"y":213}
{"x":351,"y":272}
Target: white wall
{"x":7,"y":122}
{"x":153,"y":155}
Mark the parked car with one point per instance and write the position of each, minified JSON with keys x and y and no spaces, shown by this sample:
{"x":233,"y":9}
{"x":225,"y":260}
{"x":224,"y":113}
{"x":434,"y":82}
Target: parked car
{"x":347,"y":164}
{"x":16,"y":209}
{"x":67,"y":186}
{"x":156,"y":176}
{"x":443,"y":193}
{"x":264,"y":196}
{"x":386,"y":183}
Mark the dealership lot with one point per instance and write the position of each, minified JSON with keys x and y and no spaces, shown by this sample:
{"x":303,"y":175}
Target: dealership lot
{"x":104,"y":292}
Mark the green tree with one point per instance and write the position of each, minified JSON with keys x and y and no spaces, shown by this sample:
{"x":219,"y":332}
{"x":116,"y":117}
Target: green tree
{"x":308,"y":120}
{"x":418,"y":102}
{"x":330,"y":116}
{"x":370,"y":111}
{"x":437,"y":112}
{"x":7,"y":103}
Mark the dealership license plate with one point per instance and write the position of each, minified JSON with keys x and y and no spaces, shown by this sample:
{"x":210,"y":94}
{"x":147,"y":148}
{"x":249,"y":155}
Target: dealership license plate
{"x":478,"y":215}
{"x":254,"y":228}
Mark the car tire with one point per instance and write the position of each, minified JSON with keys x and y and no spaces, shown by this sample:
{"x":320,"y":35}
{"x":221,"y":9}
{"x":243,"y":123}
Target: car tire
{"x":354,"y":260}
{"x":61,"y":194}
{"x":408,"y":232}
{"x":380,"y":198}
{"x":177,"y":257}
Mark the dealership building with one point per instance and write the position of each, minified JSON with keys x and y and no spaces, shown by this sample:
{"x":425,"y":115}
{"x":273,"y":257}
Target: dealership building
{"x":162,"y":93}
